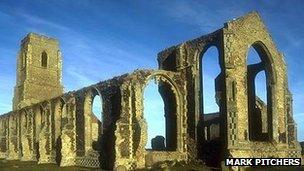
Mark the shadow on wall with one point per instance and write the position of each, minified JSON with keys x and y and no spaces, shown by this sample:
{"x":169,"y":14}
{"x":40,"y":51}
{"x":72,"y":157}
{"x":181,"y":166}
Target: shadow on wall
{"x":58,"y":150}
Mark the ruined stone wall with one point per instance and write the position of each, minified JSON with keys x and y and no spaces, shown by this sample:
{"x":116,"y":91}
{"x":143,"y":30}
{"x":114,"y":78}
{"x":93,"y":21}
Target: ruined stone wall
{"x":131,"y":148}
{"x":186,"y":59}
{"x":59,"y":130}
{"x":239,"y":35}
{"x":62,"y":129}
{"x":233,"y":43}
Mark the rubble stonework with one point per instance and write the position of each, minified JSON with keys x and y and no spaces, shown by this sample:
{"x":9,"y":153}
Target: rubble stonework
{"x":50,"y":127}
{"x":39,"y":70}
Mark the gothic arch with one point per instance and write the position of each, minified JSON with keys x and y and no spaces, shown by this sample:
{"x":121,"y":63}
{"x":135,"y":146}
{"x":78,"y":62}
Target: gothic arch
{"x":38,"y":111}
{"x":23,"y":121}
{"x":206,"y":47}
{"x":172,"y":113}
{"x":44,"y":59}
{"x":39,"y":122}
{"x":266,"y":58}
{"x":92,"y":124}
{"x":59,"y":111}
{"x":256,"y":116}
{"x":46,"y":113}
{"x":218,"y":79}
{"x":4,"y":134}
{"x":23,"y":131}
{"x":160,"y":76}
{"x":14,"y":141}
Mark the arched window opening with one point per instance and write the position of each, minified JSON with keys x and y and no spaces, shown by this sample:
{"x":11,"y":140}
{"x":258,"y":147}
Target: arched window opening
{"x":261,"y":98}
{"x":253,"y":57}
{"x":209,"y":72}
{"x":22,"y":132}
{"x":160,"y":114}
{"x":97,"y":119}
{"x":258,"y":90}
{"x":38,"y":125}
{"x":260,"y":86}
{"x":211,"y":91}
{"x":59,"y":118}
{"x":154,"y":114}
{"x":23,"y":60}
{"x":97,"y":107}
{"x":44,"y":59}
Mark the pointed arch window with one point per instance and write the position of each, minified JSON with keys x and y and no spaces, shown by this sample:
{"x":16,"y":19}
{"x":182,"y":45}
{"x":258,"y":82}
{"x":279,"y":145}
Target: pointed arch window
{"x":44,"y":59}
{"x":22,"y":60}
{"x":160,"y":112}
{"x":210,"y":74}
{"x":259,"y":78}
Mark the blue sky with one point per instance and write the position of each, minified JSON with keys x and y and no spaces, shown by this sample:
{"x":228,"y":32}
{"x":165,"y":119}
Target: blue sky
{"x":102,"y":39}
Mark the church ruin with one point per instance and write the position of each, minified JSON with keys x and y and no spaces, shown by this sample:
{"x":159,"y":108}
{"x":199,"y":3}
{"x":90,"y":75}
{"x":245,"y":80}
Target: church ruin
{"x":49,"y":126}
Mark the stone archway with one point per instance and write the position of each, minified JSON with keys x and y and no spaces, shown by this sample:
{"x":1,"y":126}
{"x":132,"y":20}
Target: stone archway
{"x":260,"y":113}
{"x":92,"y":128}
{"x":132,"y":103}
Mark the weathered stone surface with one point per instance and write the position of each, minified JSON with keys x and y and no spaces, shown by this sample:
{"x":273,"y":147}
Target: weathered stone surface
{"x":48,"y":126}
{"x":39,"y":70}
{"x":241,"y":135}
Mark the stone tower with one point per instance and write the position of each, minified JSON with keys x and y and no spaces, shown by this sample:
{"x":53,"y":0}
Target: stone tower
{"x":39,"y":71}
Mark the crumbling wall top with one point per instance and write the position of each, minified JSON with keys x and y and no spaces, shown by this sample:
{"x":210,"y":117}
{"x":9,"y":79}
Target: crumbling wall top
{"x":39,"y":37}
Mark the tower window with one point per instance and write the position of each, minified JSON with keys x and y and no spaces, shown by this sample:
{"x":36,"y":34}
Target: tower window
{"x":23,"y":60}
{"x":44,"y":59}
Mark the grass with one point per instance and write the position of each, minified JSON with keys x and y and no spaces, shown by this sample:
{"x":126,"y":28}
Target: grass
{"x":16,"y":165}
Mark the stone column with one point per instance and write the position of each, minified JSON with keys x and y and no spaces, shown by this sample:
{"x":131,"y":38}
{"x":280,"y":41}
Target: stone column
{"x":13,"y":146}
{"x":3,"y":137}
{"x":68,"y":135}
{"x":27,"y":138}
{"x":91,"y":155}
{"x":123,"y":132}
{"x":72,"y":147}
{"x":46,"y":150}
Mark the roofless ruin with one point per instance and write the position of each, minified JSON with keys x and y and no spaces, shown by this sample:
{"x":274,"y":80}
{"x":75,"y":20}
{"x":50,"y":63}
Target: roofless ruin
{"x":49,"y":126}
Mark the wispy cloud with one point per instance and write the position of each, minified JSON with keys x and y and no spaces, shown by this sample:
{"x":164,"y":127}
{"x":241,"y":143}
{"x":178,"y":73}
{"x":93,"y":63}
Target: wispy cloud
{"x":88,"y":60}
{"x":4,"y":16}
{"x":198,"y":13}
{"x":81,"y":79}
{"x":34,"y":20}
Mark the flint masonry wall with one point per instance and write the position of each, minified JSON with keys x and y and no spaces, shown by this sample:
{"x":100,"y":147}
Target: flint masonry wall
{"x":63,"y":129}
{"x":39,"y":70}
{"x":233,"y":42}
{"x":60,"y":130}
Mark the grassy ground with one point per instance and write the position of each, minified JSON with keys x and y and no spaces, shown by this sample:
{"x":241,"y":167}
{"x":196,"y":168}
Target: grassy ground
{"x":32,"y":166}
